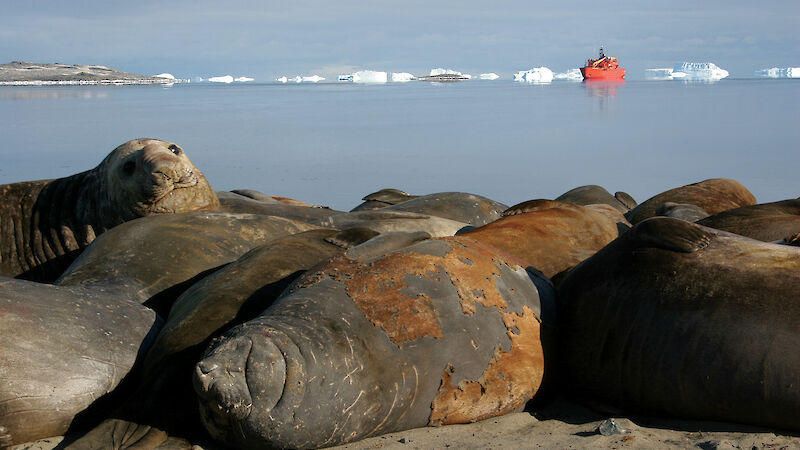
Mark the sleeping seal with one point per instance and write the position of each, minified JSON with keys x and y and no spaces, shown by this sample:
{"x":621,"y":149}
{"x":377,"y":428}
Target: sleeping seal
{"x":767,"y":222}
{"x":678,"y":319}
{"x":712,"y":196}
{"x":552,"y":236}
{"x":46,"y":223}
{"x":443,"y":331}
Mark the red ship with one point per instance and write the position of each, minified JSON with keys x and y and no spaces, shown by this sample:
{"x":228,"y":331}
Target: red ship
{"x":603,"y":68}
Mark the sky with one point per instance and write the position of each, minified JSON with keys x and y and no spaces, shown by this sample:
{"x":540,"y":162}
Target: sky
{"x":267,"y":39}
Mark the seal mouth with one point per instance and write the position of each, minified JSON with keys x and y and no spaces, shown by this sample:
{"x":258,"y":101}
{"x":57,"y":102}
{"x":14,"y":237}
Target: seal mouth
{"x":239,"y":376}
{"x":165,"y":185}
{"x":220,"y":379}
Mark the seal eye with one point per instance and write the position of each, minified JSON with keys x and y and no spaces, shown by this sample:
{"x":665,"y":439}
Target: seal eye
{"x":129,"y":167}
{"x":175,"y":149}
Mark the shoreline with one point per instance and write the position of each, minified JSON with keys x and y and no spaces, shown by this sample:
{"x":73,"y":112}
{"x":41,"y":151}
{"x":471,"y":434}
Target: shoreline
{"x":164,"y":81}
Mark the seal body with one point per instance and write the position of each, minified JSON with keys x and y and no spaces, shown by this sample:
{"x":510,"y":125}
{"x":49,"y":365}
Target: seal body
{"x":382,"y":221}
{"x":766,"y":221}
{"x":46,"y":224}
{"x":153,"y":259}
{"x":593,"y":195}
{"x":443,"y":331}
{"x":238,"y":203}
{"x":712,"y":196}
{"x":383,"y":198}
{"x":678,"y":319}
{"x":552,"y":236}
{"x":459,"y":206}
{"x":62,"y":349}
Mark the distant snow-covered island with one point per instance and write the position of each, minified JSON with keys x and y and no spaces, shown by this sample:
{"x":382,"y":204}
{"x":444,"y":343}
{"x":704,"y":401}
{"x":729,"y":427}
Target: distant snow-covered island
{"x":20,"y":73}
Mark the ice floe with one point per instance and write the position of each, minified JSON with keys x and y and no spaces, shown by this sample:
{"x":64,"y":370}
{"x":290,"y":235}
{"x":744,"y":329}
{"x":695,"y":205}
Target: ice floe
{"x":488,"y":76}
{"x":659,"y":73}
{"x":401,"y":77}
{"x":440,"y":71}
{"x":535,"y":75}
{"x":243,"y":79}
{"x":569,"y":75}
{"x":282,"y":79}
{"x":779,"y":72}
{"x":699,"y":71}
{"x":313,"y":79}
{"x":365,"y":76}
{"x":222,"y":79}
{"x":370,"y":76}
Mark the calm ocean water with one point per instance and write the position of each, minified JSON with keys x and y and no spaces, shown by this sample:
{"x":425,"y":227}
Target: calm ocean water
{"x":331,"y":144}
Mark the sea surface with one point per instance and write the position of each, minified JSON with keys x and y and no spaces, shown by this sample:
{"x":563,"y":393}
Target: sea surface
{"x":331,"y":144}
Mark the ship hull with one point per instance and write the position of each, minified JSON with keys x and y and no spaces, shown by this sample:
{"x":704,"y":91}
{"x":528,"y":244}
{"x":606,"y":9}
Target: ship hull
{"x":599,"y":73}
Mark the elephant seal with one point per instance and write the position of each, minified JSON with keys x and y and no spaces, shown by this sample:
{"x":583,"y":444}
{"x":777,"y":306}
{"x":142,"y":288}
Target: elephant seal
{"x":443,"y":331}
{"x":593,"y":194}
{"x":683,"y":211}
{"x":674,"y":318}
{"x":240,"y":204}
{"x":142,"y":263}
{"x":713,"y":196}
{"x":262,"y":197}
{"x":382,"y":221}
{"x":61,"y":350}
{"x":552,"y":236}
{"x":766,"y":221}
{"x":383,"y":198}
{"x":184,"y":246}
{"x":165,"y":404}
{"x":459,"y":206}
{"x":47,"y":223}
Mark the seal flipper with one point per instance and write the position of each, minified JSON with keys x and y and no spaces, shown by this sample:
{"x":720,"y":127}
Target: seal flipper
{"x":6,"y":439}
{"x":672,"y":234}
{"x":535,"y":205}
{"x":119,"y":434}
{"x":390,"y":196}
{"x":351,"y":237}
{"x":385,"y":243}
{"x":625,"y":199}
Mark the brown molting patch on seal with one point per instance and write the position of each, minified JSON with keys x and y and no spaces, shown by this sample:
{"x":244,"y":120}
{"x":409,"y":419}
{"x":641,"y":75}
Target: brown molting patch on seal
{"x":377,"y":287}
{"x":508,"y":382}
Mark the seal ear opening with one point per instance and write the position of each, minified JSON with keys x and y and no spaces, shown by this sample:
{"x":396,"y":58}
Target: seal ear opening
{"x":672,"y":234}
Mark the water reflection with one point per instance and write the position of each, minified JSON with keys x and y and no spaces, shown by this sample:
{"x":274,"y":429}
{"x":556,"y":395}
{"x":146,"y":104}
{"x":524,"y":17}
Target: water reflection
{"x":47,"y":93}
{"x":596,"y":88}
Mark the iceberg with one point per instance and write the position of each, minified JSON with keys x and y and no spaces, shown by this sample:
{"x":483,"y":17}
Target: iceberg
{"x":313,"y":79}
{"x":298,"y":79}
{"x":570,"y":75}
{"x":660,"y":73}
{"x":243,"y":79}
{"x":167,"y":76}
{"x":535,"y":75}
{"x":401,"y":77}
{"x":282,"y":79}
{"x":223,"y":79}
{"x":488,"y":76}
{"x":699,"y":71}
{"x":779,"y":72}
{"x":440,"y":71}
{"x":370,"y":76}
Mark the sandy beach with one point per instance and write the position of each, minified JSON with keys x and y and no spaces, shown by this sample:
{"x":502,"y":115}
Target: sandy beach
{"x":563,"y":424}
